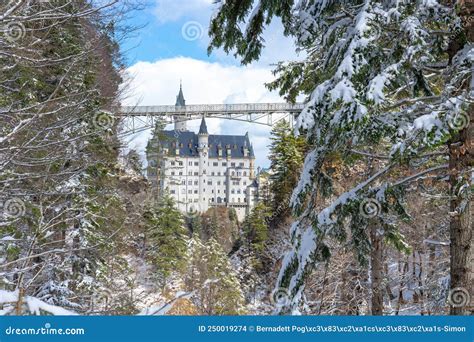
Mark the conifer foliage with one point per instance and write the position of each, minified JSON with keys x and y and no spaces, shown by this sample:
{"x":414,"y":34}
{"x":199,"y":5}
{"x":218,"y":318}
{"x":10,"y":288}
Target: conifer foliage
{"x":390,"y":81}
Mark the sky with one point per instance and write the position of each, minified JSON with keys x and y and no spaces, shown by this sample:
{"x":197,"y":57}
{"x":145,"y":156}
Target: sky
{"x":172,"y":47}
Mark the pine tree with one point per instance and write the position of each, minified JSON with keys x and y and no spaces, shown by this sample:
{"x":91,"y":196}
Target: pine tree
{"x":167,"y":238}
{"x":255,"y":227}
{"x":211,"y":277}
{"x":286,"y":156}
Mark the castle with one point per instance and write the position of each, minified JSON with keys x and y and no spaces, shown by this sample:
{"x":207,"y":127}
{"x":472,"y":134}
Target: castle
{"x":203,"y":170}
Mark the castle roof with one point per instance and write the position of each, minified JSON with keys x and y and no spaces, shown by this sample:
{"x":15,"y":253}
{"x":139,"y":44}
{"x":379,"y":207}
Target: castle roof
{"x":188,"y":143}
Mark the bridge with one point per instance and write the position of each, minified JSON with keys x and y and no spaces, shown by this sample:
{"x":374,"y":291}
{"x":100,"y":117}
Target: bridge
{"x":139,"y":118}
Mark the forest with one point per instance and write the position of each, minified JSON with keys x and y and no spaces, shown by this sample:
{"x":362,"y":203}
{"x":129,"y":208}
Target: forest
{"x":368,"y":204}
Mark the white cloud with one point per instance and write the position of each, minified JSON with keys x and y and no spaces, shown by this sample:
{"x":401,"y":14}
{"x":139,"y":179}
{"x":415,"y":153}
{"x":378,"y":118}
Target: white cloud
{"x":204,"y":83}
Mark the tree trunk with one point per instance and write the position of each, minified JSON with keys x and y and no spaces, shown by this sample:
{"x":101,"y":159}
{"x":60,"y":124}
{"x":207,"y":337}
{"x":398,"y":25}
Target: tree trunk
{"x":376,"y":263}
{"x":460,"y":161}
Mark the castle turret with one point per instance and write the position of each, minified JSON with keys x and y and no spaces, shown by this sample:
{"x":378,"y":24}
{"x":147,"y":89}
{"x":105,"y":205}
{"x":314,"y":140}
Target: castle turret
{"x":180,"y":102}
{"x":203,"y":148}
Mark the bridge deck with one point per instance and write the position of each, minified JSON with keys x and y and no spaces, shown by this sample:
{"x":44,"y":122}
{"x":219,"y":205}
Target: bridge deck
{"x":212,"y":109}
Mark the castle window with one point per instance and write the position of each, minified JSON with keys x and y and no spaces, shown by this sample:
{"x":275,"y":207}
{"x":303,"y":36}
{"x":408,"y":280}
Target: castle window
{"x":232,"y":164}
{"x":209,"y":182}
{"x":172,"y":163}
{"x":224,"y":163}
{"x":190,"y":182}
{"x":183,"y":182}
{"x":218,"y":182}
{"x":219,"y":173}
{"x":203,"y":172}
{"x":196,"y":173}
{"x":245,"y":183}
{"x":215,"y":164}
{"x":232,"y":191}
{"x":212,"y":173}
{"x":245,"y":173}
{"x":196,"y":163}
{"x":196,"y":183}
{"x":245,"y":200}
{"x":180,"y":173}
{"x":190,"y":163}
{"x":238,"y":191}
{"x":180,"y":163}
{"x":172,"y":173}
{"x":172,"y":192}
{"x":190,"y":192}
{"x":195,"y":191}
{"x":238,"y":199}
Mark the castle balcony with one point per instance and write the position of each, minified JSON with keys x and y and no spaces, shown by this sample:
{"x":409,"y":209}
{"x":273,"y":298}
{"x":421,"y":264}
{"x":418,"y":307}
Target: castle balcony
{"x":237,"y":204}
{"x":215,"y":204}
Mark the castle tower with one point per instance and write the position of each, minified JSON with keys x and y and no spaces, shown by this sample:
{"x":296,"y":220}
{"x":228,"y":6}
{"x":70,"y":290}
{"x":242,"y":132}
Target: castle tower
{"x":180,"y":102}
{"x":203,"y":148}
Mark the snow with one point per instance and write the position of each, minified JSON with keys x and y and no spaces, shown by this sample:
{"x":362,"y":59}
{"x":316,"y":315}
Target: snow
{"x":8,"y":238}
{"x":343,"y":90}
{"x":305,"y":178}
{"x":436,"y":242}
{"x":427,"y":122}
{"x":35,"y":306}
{"x":8,"y":297}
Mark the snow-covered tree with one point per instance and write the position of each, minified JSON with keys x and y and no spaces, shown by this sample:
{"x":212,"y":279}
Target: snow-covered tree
{"x":392,"y":75}
{"x":211,"y":277}
{"x":58,"y":149}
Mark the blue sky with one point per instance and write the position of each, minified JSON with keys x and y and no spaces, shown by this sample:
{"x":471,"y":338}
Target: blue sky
{"x":173,"y":47}
{"x":161,"y":38}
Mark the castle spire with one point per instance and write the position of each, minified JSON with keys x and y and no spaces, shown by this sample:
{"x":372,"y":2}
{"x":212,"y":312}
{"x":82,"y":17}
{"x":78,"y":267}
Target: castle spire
{"x":203,"y":127}
{"x":180,"y":101}
{"x":180,"y":125}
